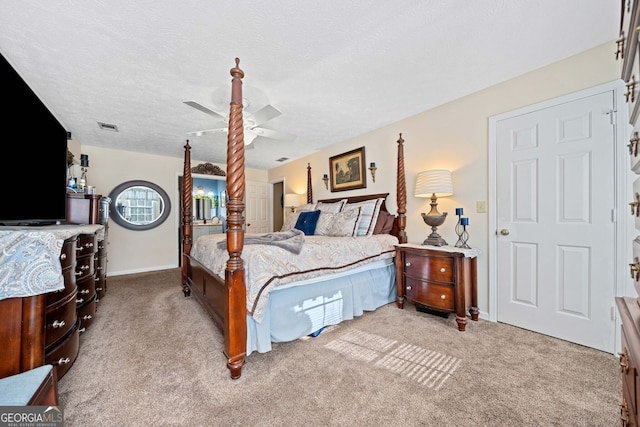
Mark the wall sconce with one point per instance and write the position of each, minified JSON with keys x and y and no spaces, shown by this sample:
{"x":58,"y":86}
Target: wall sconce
{"x":434,"y":184}
{"x":325,"y":178}
{"x":292,"y":201}
{"x":372,"y":168}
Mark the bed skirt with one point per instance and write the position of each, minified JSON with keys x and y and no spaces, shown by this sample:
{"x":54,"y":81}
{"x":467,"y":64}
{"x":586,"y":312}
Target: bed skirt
{"x":304,"y":308}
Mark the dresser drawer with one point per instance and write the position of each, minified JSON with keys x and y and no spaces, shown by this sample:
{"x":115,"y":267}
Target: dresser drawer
{"x":87,"y":245}
{"x":68,"y":252}
{"x":64,"y":354}
{"x":87,"y":313}
{"x":59,"y":319}
{"x":438,"y":296}
{"x":85,"y":267}
{"x":436,"y":268}
{"x":86,"y":290}
{"x":69,"y":275}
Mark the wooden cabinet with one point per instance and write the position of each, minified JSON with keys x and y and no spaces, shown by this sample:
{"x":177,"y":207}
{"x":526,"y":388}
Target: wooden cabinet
{"x":85,"y":279}
{"x":629,"y":307}
{"x":442,"y":279}
{"x":629,"y":360}
{"x":61,"y":325}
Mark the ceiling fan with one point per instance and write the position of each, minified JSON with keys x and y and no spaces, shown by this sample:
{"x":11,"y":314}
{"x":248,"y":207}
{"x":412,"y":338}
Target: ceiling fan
{"x":252,"y":124}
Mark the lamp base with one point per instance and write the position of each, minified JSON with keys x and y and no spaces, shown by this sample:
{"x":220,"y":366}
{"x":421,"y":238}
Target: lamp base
{"x":434,"y":239}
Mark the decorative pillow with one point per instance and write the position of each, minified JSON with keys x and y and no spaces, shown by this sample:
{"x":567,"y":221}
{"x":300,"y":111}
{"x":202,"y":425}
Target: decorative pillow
{"x":384,"y":225}
{"x":331,"y":207}
{"x":307,"y":222}
{"x":292,"y":217}
{"x":306,"y":208}
{"x":290,"y":221}
{"x":338,"y":224}
{"x":368,"y":215}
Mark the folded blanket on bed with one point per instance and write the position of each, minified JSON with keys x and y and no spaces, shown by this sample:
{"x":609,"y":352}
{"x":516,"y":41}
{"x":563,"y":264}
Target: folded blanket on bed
{"x":291,"y":240}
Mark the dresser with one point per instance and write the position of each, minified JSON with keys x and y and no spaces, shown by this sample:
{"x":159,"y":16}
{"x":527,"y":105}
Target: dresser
{"x":442,"y":279}
{"x":629,"y":307}
{"x":38,"y":298}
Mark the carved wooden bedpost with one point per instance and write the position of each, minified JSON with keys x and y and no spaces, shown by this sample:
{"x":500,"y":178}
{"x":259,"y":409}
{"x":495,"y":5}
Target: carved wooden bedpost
{"x":187,"y":217}
{"x":401,"y":193}
{"x":235,"y":334}
{"x":309,"y":188}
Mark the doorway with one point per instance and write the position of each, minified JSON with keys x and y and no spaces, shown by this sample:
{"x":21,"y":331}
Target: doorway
{"x":556,"y":184}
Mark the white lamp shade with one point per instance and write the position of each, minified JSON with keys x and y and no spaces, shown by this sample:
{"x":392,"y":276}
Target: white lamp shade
{"x":291,"y":200}
{"x":437,"y":181}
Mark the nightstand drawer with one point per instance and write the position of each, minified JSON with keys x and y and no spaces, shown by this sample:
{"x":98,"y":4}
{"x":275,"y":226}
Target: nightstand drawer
{"x":432,"y":295}
{"x":439,"y":269}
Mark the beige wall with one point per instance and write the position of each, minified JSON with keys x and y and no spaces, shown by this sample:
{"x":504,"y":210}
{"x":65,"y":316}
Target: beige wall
{"x":454,"y":136}
{"x":132,"y":251}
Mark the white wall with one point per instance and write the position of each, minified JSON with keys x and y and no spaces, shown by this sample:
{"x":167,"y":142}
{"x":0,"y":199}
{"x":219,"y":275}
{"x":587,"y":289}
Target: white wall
{"x":454,"y":136}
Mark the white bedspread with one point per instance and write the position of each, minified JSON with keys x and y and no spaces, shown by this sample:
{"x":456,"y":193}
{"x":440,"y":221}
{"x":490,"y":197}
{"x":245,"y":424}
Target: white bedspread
{"x":269,"y":267}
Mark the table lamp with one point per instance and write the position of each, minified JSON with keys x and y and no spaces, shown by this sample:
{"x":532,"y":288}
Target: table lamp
{"x":434,"y":183}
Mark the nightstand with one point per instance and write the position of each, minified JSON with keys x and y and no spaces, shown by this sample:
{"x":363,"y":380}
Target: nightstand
{"x":438,"y":278}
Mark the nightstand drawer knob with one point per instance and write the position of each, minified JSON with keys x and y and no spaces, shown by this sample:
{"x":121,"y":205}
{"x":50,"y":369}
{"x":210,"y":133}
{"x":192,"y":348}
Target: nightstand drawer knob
{"x":408,"y":288}
{"x":408,"y":264}
{"x":443,"y":296}
{"x":442,"y":270}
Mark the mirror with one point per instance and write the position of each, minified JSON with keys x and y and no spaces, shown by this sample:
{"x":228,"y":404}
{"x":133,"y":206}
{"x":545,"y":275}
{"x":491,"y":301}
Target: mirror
{"x":139,"y":205}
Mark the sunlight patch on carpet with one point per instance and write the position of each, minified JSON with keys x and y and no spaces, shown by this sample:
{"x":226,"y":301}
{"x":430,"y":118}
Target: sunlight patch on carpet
{"x":427,"y":367}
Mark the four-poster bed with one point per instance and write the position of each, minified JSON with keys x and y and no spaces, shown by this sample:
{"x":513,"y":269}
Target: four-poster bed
{"x":257,"y":297}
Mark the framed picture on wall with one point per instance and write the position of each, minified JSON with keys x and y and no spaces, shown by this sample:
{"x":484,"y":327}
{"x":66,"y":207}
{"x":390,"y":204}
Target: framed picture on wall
{"x":348,"y":170}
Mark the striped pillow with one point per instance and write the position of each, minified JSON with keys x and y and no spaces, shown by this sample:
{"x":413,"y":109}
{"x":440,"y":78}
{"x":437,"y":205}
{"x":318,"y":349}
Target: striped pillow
{"x":368,"y":215}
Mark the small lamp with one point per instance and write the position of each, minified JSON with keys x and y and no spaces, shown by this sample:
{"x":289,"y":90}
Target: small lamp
{"x":434,"y":183}
{"x":292,"y":201}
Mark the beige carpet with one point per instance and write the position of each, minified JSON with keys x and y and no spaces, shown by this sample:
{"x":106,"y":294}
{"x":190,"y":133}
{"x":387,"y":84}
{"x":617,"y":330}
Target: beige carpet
{"x":153,"y":358}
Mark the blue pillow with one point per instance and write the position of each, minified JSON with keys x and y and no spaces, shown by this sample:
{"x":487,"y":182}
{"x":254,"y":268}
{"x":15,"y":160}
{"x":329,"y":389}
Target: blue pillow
{"x":307,"y":222}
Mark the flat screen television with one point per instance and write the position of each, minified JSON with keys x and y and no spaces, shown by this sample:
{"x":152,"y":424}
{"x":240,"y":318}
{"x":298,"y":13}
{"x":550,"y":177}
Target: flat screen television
{"x":33,"y":169}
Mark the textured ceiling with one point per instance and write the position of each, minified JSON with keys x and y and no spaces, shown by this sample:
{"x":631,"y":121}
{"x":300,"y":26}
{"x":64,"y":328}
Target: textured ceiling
{"x":335,"y":69}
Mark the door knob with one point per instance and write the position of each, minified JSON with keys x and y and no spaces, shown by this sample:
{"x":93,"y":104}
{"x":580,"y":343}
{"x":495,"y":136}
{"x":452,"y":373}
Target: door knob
{"x":504,"y":232}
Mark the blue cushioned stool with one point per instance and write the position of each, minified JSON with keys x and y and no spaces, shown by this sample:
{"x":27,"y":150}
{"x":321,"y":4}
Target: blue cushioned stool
{"x":36,"y":387}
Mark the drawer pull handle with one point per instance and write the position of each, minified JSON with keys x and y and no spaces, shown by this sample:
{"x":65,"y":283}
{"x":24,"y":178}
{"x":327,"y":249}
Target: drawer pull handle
{"x":635,"y":269}
{"x":63,"y":257}
{"x":87,"y":317}
{"x":81,"y":330}
{"x":58,"y":323}
{"x":79,"y":300}
{"x":624,"y":361}
{"x":78,"y":273}
{"x":443,"y":296}
{"x":85,"y":291}
{"x":633,"y":144}
{"x":635,"y":205}
{"x":408,"y":288}
{"x":624,"y":413}
{"x":442,"y":270}
{"x":98,"y":289}
{"x":85,"y":267}
{"x":630,"y":94}
{"x":408,"y":264}
{"x":63,"y":361}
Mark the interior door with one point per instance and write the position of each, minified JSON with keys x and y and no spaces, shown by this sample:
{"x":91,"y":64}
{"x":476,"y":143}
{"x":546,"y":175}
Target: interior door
{"x":257,"y":211}
{"x":555,"y":201}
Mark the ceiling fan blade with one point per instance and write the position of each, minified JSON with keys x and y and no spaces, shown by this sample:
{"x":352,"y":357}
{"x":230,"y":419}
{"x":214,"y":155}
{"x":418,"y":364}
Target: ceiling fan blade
{"x":274,"y":134}
{"x":206,"y":131}
{"x":263,"y":115}
{"x":204,"y":109}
